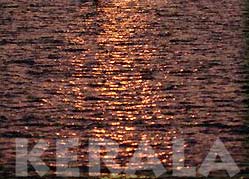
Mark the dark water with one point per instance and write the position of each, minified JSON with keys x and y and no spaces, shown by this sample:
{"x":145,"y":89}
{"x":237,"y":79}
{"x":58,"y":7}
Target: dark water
{"x":122,"y":70}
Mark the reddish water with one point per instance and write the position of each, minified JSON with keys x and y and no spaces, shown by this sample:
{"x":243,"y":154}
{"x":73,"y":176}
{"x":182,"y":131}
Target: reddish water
{"x":124,"y":70}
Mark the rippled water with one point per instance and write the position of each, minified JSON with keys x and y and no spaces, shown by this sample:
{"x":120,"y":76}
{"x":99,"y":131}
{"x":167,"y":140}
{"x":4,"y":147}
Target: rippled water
{"x":122,"y":70}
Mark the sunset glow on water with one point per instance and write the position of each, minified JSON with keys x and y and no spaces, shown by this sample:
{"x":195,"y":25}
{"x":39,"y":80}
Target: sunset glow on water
{"x":127,"y":71}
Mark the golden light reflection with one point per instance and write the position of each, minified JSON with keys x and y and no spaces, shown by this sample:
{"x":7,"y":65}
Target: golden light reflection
{"x":113,"y":83}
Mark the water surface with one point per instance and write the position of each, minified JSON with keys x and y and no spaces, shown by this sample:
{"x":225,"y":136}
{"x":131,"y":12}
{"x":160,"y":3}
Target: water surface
{"x":122,"y":70}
